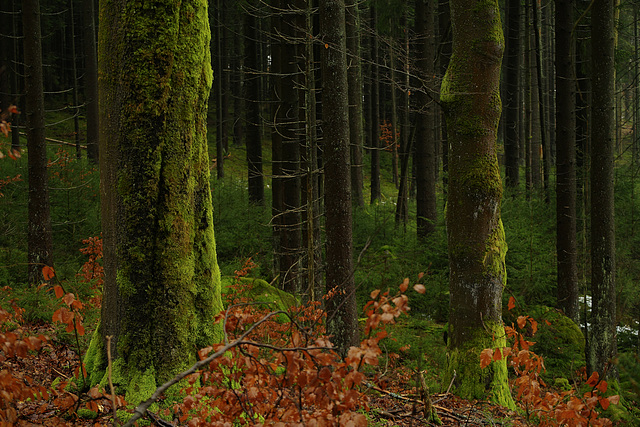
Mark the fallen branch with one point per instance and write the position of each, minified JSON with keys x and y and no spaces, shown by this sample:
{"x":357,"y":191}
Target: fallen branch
{"x":142,"y":408}
{"x":58,"y":141}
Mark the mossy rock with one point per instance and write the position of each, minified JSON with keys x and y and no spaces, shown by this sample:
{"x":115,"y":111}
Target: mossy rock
{"x":560,"y":342}
{"x":259,"y":290}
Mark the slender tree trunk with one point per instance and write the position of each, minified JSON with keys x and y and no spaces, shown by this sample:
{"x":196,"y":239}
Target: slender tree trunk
{"x":444,"y":55}
{"x":252,"y":101}
{"x":74,"y":70}
{"x":544,"y":139}
{"x":15,"y":136}
{"x":341,"y":307}
{"x":528,"y":115}
{"x":355,"y":101}
{"x":566,"y":242}
{"x":374,"y":125}
{"x":470,"y":95}
{"x":220,"y":125}
{"x":402,"y":204}
{"x":39,"y":239}
{"x":312,"y":233}
{"x":162,"y":281}
{"x":289,"y":127}
{"x":91,"y":79}
{"x":425,"y":154}
{"x":512,"y":106}
{"x":602,"y":348}
{"x":277,"y":192}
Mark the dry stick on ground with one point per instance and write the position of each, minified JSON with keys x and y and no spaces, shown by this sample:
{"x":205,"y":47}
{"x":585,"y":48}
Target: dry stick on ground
{"x":142,"y":408}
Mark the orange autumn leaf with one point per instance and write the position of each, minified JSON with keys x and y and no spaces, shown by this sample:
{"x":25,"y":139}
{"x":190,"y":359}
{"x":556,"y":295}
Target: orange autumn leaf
{"x":48,"y":273}
{"x":486,"y":356}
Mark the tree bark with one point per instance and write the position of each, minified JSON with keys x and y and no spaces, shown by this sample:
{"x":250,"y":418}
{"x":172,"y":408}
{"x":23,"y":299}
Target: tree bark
{"x":355,"y":102}
{"x":39,"y":239}
{"x":425,"y":154}
{"x":91,"y":80}
{"x":342,"y":319}
{"x":162,"y":281}
{"x":470,"y":95}
{"x":290,"y":129}
{"x":252,"y":101}
{"x":512,"y":107}
{"x":374,"y":123}
{"x":602,"y":343}
{"x":566,"y":242}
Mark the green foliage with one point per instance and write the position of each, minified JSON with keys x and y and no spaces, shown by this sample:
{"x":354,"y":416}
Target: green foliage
{"x":531,"y":265}
{"x":629,"y":369}
{"x":420,"y":345}
{"x":559,"y":340}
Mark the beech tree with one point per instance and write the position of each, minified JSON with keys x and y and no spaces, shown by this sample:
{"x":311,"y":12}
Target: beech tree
{"x":162,"y":282}
{"x":470,"y":95}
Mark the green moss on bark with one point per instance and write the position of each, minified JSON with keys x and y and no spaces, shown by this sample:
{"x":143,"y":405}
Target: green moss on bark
{"x":163,"y":282}
{"x":473,"y":382}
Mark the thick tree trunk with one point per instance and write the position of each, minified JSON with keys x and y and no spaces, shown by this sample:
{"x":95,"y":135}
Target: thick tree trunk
{"x":39,"y":240}
{"x":602,"y":343}
{"x":341,"y":307}
{"x":470,"y":95}
{"x":566,"y":246}
{"x":162,"y":282}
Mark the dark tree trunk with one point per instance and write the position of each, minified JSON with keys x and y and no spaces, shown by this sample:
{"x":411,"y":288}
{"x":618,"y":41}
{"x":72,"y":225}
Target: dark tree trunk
{"x":545,"y":153}
{"x":444,"y":54}
{"x":602,"y":348}
{"x":290,"y":129}
{"x":471,"y":98}
{"x":312,"y":240}
{"x":402,"y":204}
{"x":252,"y":101}
{"x":218,"y":79}
{"x":356,"y":130}
{"x":277,"y":193}
{"x":162,"y":281}
{"x":39,"y":240}
{"x":566,"y":163}
{"x":425,"y":154}
{"x":511,"y":103}
{"x":91,"y":79}
{"x":341,"y":307}
{"x":374,"y":124}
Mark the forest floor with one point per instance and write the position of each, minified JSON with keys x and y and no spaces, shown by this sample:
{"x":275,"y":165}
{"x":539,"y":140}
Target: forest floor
{"x":396,"y":405}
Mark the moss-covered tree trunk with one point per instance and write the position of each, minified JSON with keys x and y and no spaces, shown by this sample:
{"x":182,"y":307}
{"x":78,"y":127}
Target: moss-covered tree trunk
{"x":162,"y":282}
{"x":477,"y":248}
